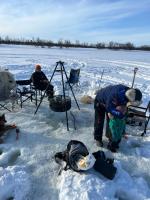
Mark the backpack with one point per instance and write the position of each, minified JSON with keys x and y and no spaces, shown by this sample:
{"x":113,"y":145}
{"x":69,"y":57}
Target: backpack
{"x":75,"y":149}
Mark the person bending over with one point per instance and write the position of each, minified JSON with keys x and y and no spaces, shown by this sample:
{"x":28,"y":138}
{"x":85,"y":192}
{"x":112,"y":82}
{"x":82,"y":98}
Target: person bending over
{"x":106,"y":101}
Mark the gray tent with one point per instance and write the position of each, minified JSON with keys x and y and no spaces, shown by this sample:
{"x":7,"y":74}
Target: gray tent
{"x":7,"y":83}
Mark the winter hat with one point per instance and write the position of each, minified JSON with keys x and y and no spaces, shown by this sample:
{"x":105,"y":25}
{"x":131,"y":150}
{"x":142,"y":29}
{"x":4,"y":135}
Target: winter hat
{"x":133,"y":95}
{"x":37,"y":67}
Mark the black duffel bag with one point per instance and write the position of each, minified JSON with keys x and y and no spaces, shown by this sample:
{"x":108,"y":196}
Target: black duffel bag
{"x":104,"y":165}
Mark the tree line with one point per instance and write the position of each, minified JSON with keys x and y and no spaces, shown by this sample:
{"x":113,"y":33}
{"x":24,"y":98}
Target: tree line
{"x":67,"y":43}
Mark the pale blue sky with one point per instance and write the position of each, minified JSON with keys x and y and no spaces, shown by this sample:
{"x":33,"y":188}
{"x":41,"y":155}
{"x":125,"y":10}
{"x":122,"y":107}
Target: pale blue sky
{"x":83,"y":20}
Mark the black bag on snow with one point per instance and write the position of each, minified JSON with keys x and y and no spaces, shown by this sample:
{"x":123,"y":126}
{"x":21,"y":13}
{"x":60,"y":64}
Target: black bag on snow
{"x":75,"y":149}
{"x":104,"y":165}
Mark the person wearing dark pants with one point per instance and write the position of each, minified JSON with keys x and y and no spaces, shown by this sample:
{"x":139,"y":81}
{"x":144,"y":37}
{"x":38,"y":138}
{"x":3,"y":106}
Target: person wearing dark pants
{"x":106,"y":101}
{"x":99,"y":122}
{"x":40,"y":81}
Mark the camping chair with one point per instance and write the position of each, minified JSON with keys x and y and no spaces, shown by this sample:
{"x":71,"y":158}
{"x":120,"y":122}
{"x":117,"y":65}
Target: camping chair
{"x":138,"y":116}
{"x":38,"y":93}
{"x":24,"y":91}
{"x":74,"y":77}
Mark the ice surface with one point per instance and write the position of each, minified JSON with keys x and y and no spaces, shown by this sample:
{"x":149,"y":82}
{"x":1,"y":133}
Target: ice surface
{"x":27,"y":167}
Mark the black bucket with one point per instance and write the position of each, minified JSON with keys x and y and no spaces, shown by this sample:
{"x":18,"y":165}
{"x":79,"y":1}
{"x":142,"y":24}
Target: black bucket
{"x":60,"y":104}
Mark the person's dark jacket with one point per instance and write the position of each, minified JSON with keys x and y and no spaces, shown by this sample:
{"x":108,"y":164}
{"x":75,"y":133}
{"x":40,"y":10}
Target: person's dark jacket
{"x":111,"y":97}
{"x":37,"y":78}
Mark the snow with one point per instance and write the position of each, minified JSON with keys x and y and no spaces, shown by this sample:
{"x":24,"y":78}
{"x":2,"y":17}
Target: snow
{"x":14,"y":180}
{"x":27,"y":167}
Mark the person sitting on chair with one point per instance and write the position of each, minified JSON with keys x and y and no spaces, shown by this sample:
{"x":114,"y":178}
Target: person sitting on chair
{"x":40,"y":81}
{"x":4,"y":127}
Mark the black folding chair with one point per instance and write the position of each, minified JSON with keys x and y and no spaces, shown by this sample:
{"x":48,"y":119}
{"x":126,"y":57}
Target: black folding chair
{"x":25,"y":91}
{"x":138,"y":116}
{"x":74,"y":77}
{"x":38,"y":93}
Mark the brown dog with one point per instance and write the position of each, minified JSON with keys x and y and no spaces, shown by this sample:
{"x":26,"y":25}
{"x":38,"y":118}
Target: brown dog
{"x":4,"y":127}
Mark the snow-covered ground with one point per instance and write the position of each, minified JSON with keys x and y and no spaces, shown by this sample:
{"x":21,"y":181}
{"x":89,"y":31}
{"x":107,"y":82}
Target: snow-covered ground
{"x":27,"y":167}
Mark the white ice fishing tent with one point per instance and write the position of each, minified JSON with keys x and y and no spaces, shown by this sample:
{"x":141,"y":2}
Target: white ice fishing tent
{"x":7,"y":83}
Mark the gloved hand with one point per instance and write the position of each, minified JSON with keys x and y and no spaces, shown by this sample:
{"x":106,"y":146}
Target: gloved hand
{"x":117,"y":114}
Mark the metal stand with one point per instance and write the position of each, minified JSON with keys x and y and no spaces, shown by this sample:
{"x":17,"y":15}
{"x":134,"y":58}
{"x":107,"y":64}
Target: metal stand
{"x":62,"y":70}
{"x":135,"y":71}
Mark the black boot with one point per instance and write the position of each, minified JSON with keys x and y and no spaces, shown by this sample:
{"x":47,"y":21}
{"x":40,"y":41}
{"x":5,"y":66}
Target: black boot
{"x":117,"y":144}
{"x":112,"y":147}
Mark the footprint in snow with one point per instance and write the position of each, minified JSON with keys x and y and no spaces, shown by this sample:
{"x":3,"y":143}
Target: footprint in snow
{"x":134,"y":143}
{"x":9,"y":158}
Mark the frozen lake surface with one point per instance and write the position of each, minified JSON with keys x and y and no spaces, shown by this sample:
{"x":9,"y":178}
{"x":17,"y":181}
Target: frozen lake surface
{"x":27,"y":167}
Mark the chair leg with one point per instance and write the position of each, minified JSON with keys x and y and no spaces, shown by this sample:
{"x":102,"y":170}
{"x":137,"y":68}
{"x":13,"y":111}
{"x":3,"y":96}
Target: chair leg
{"x":3,"y":106}
{"x":74,"y":120}
{"x":145,"y":127}
{"x":36,"y":97}
{"x":21,"y":101}
{"x":31,"y":97}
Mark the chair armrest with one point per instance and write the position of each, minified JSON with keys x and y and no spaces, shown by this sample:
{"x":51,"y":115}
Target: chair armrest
{"x":136,"y":107}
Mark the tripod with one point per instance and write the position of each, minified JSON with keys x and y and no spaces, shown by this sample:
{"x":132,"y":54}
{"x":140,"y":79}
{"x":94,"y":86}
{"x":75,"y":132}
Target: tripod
{"x":63,"y":72}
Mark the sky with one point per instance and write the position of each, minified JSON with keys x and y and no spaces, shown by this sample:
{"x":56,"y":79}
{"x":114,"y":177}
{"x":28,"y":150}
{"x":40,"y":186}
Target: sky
{"x":84,"y":20}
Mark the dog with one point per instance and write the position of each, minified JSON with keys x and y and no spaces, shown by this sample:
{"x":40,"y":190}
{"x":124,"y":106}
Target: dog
{"x":4,"y":127}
